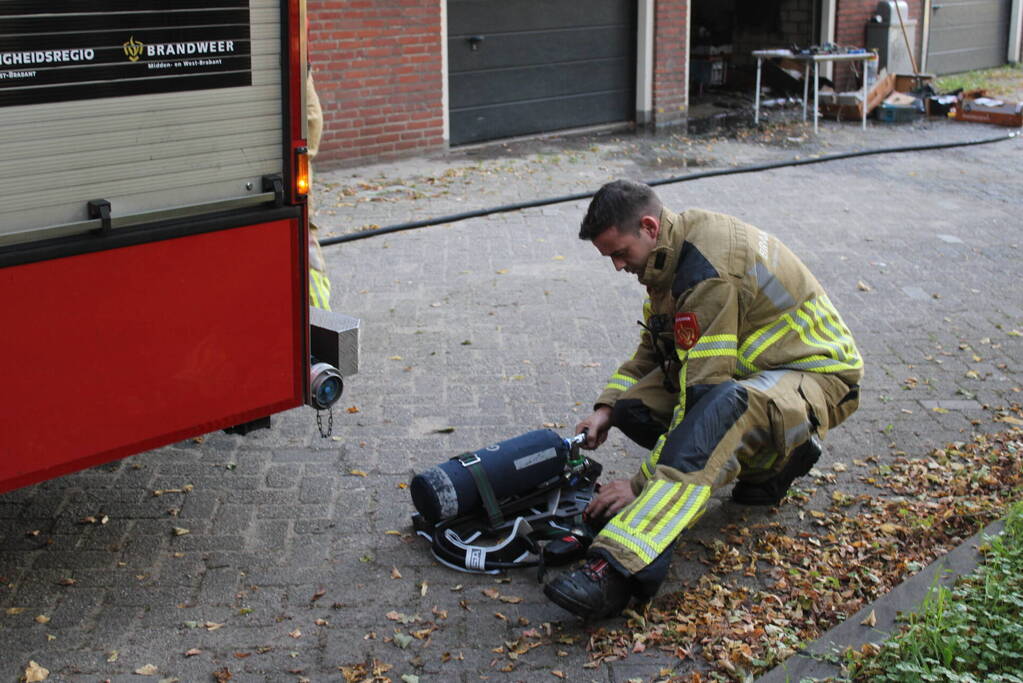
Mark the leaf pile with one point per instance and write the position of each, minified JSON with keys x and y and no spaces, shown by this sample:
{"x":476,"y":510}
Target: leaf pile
{"x":767,"y":592}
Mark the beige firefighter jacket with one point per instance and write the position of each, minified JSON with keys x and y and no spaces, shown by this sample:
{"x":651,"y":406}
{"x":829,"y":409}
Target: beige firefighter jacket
{"x":728,"y":300}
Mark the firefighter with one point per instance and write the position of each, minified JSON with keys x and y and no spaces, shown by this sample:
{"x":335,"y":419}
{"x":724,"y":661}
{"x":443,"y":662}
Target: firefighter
{"x":319,"y":282}
{"x":743,"y":365}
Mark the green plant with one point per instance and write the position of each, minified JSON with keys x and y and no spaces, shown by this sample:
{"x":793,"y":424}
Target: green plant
{"x":1003,"y":80}
{"x":970,"y":632}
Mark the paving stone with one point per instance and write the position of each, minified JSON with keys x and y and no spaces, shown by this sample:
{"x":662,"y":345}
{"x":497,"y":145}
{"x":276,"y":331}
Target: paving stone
{"x":277,"y":515}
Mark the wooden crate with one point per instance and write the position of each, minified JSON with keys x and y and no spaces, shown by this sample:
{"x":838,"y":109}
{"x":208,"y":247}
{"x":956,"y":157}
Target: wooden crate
{"x":837,"y":109}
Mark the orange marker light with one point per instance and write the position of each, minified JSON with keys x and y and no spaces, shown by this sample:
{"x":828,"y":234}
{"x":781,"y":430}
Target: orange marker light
{"x":302,"y":171}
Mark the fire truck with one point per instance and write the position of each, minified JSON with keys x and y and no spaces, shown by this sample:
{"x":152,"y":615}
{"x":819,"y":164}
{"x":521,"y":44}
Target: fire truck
{"x":153,"y":229}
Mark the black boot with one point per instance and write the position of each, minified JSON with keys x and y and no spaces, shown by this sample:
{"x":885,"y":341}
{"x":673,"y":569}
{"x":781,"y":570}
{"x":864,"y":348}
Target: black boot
{"x":772,"y":491}
{"x":594,"y":591}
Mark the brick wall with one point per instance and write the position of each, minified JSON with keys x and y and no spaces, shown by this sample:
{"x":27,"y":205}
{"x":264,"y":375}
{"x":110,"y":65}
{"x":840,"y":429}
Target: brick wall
{"x":670,"y":77}
{"x":795,"y":26}
{"x":851,"y":29}
{"x":378,"y":71}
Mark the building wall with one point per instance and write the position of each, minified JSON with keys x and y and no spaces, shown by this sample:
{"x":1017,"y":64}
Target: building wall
{"x":378,"y":71}
{"x":671,"y":75}
{"x":794,"y":26}
{"x":378,"y":67}
{"x":851,"y":30}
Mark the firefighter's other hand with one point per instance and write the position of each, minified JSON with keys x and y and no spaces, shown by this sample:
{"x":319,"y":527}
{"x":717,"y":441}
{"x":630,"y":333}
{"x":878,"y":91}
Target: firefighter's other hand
{"x":613,"y":496}
{"x":595,"y":426}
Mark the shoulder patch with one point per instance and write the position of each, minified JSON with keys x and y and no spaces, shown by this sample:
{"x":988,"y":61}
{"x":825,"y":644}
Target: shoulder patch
{"x":692,"y":269}
{"x":687,"y":330}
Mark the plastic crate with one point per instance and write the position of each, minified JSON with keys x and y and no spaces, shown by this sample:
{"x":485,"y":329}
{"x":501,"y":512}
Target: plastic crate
{"x":888,"y":113}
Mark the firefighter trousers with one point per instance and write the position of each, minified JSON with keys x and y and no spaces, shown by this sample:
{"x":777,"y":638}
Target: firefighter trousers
{"x":746,"y":429}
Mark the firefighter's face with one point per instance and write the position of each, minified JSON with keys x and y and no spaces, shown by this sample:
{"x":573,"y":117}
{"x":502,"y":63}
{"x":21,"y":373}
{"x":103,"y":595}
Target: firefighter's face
{"x":629,"y":251}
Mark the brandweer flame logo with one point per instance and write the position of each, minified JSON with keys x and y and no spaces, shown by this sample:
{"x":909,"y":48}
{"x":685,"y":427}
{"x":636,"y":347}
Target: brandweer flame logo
{"x":133,"y":49}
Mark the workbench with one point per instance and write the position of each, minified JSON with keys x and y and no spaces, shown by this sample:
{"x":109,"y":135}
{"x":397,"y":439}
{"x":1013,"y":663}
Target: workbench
{"x":815,"y":60}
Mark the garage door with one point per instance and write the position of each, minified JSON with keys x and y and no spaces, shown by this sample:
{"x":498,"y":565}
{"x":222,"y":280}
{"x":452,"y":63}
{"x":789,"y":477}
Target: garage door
{"x":529,"y":66}
{"x":968,"y":35}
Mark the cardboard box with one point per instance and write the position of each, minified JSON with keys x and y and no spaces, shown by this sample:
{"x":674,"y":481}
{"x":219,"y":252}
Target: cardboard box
{"x":1004,"y":114}
{"x":846,"y":106}
{"x":910,"y":82}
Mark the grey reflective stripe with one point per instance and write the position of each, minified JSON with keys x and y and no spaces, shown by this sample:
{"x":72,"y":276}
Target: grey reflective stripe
{"x":693,"y":500}
{"x":762,"y":381}
{"x":708,"y":346}
{"x":797,"y":434}
{"x":769,"y":334}
{"x":772,"y":288}
{"x":615,"y":530}
{"x":640,"y":515}
{"x":817,"y":339}
{"x":841,"y":334}
{"x":814,"y":363}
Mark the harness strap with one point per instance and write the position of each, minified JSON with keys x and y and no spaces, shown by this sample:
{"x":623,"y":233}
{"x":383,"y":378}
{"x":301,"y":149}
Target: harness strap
{"x":471,"y":462}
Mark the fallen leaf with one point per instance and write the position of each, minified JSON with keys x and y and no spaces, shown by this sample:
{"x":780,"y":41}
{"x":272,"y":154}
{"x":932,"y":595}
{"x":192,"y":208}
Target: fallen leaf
{"x":221,"y":675}
{"x":42,"y":619}
{"x":296,"y":634}
{"x":357,"y":473}
{"x":15,"y":610}
{"x":353,"y":409}
{"x":193,"y":652}
{"x":491,"y":593}
{"x":871,"y":620}
{"x":146,"y":670}
{"x":402,"y":640}
{"x":559,"y":258}
{"x":511,"y":599}
{"x":422,"y":588}
{"x":113,"y":655}
{"x":503,"y":271}
{"x":559,"y":674}
{"x":863,"y":286}
{"x":35,"y":673}
{"x":180,"y":531}
{"x":212,"y":626}
{"x":395,"y":574}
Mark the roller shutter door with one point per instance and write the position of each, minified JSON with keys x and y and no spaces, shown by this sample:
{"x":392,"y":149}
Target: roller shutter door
{"x":528,"y":66}
{"x":968,"y":35}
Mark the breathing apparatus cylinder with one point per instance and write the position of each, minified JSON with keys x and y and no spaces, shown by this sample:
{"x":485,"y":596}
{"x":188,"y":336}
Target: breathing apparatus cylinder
{"x":512,"y":467}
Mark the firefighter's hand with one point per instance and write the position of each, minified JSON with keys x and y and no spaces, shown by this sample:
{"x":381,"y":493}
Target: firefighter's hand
{"x":596,"y":427}
{"x":613,"y":496}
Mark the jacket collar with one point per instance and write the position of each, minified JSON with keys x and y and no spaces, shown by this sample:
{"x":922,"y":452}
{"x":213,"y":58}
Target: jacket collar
{"x":660,"y":266}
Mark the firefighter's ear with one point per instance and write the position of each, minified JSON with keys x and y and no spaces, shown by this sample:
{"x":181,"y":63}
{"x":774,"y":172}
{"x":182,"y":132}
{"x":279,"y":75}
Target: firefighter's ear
{"x":650,"y":225}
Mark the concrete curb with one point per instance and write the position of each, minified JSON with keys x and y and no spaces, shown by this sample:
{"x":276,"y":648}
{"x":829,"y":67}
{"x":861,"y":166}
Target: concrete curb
{"x":815,"y":660}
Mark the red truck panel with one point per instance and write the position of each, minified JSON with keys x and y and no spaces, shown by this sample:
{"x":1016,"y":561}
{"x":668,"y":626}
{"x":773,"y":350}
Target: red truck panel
{"x":119,"y":351}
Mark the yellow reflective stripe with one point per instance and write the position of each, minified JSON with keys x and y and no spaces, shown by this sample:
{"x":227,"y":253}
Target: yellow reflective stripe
{"x":620,"y":382}
{"x":685,"y":510}
{"x":643,"y":552}
{"x":834,"y":326}
{"x":647,"y":468}
{"x":319,"y":290}
{"x":783,"y":327}
{"x":648,"y":525}
{"x":714,"y":345}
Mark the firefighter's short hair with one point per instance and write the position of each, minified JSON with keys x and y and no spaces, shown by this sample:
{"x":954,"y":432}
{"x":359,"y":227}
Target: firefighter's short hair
{"x":619,"y":204}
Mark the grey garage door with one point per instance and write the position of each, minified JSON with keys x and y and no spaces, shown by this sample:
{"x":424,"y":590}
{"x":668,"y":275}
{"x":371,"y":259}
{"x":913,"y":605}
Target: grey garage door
{"x":967,"y":35}
{"x":527,"y":66}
